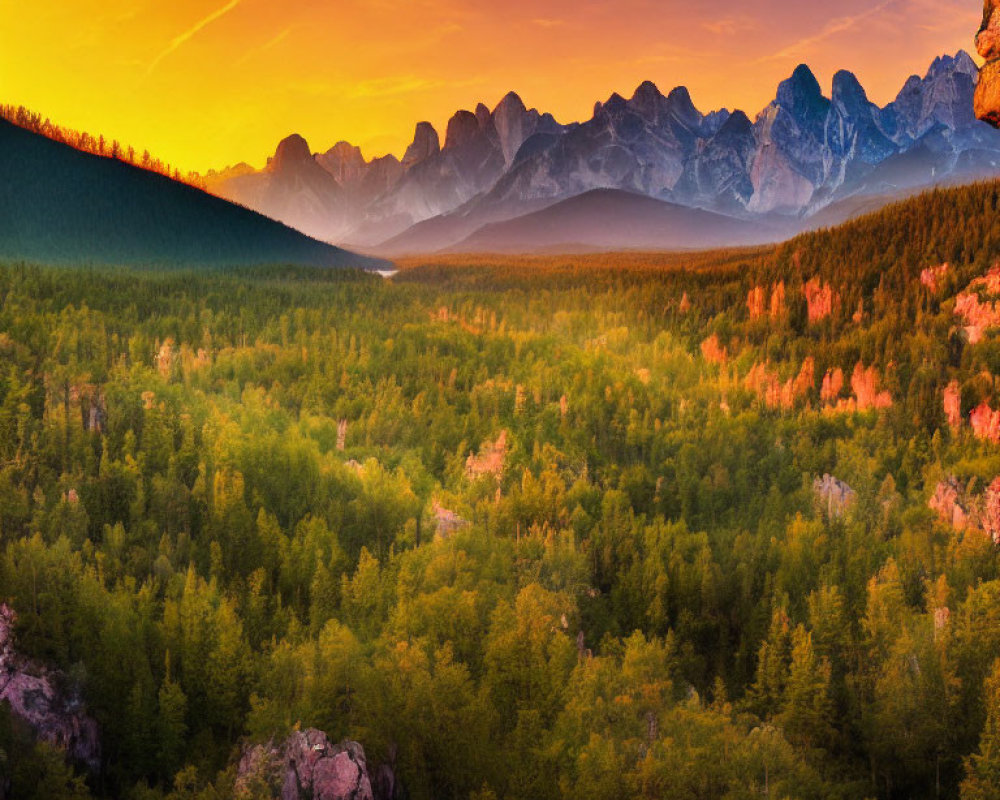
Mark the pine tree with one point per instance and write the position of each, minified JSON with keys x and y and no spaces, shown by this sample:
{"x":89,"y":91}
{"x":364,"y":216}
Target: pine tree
{"x":982,"y":768}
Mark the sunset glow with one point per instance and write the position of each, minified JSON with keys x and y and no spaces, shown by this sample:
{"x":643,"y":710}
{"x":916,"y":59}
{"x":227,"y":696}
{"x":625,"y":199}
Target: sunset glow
{"x":206,"y":83}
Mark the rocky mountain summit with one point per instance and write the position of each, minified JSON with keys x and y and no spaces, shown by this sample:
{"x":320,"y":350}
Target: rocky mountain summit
{"x":308,"y":766}
{"x":804,"y":153}
{"x":988,"y":45}
{"x":35,"y":696}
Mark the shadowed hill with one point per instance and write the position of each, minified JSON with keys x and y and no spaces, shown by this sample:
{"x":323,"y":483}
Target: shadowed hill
{"x":59,"y":205}
{"x":611,"y":219}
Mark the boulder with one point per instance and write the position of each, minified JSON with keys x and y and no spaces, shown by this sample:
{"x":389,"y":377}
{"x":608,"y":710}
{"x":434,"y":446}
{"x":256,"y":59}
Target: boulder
{"x":34,"y":695}
{"x":308,"y":766}
{"x":833,"y":495}
{"x":987,"y":102}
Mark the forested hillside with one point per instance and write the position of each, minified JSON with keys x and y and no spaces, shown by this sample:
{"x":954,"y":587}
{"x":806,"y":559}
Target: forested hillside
{"x":60,"y":205}
{"x":718,"y":525}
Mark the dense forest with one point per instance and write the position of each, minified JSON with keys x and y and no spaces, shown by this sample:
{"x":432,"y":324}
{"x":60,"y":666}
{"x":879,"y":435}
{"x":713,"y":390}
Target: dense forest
{"x":657,"y":526}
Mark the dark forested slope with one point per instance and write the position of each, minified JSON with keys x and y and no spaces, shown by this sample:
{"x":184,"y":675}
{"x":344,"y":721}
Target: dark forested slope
{"x":60,"y":205}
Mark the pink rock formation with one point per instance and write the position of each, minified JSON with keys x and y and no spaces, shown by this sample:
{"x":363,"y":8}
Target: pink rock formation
{"x":712,"y":351}
{"x":490,"y":460}
{"x":756,"y":302}
{"x":777,"y":395}
{"x":806,"y":379}
{"x":31,"y":690}
{"x":956,"y":508}
{"x":307,"y":766}
{"x":446,"y":522}
{"x":990,"y":517}
{"x":932,"y":276}
{"x":820,"y":299}
{"x":833,"y":385}
{"x":977,"y":305}
{"x":778,"y":300}
{"x":985,"y":423}
{"x":864,"y":384}
{"x":953,"y":405}
{"x":759,"y":305}
{"x":165,"y":358}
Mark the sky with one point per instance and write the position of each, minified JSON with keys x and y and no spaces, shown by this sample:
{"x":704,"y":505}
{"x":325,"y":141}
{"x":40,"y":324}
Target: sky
{"x":208,"y":83}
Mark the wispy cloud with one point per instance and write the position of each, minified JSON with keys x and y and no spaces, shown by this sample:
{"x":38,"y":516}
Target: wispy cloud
{"x":388,"y":86}
{"x":274,"y":42}
{"x":546,"y":22}
{"x":730,"y":26}
{"x":832,"y":28}
{"x":179,"y":41}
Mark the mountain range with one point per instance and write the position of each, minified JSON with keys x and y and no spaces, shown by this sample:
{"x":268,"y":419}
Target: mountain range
{"x":806,"y":157}
{"x":61,"y":205}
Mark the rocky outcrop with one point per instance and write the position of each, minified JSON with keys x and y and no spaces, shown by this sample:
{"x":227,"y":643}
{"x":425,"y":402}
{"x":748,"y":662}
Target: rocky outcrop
{"x":756,"y":302}
{"x":987,"y":100}
{"x":446,"y":521}
{"x":308,"y":766}
{"x":864,"y":387}
{"x":760,"y":303}
{"x":979,"y":305}
{"x":713,"y":351}
{"x":778,"y":395}
{"x":833,"y":495}
{"x":953,"y":405}
{"x":956,"y":506}
{"x":933,"y":276}
{"x":490,"y":461}
{"x":950,"y":504}
{"x":833,"y":385}
{"x":33,"y":693}
{"x":820,"y":299}
{"x":985,"y":423}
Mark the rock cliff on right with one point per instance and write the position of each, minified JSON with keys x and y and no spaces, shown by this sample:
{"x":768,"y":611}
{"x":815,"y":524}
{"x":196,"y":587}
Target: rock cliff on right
{"x":988,"y":45}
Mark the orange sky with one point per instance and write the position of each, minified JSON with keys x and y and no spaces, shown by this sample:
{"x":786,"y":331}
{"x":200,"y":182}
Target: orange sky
{"x":205,"y":83}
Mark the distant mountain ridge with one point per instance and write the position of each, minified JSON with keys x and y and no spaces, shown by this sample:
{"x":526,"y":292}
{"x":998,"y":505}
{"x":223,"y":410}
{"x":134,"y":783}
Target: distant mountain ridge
{"x":803,"y":153}
{"x":61,"y":205}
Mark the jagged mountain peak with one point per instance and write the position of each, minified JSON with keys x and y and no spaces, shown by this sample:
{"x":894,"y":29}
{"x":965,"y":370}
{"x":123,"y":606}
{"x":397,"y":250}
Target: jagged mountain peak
{"x":615,"y":104}
{"x":801,"y":91}
{"x":426,"y":143}
{"x":646,"y":90}
{"x":510,"y":103}
{"x":960,"y":62}
{"x":736,"y":122}
{"x":680,"y":104}
{"x":846,"y":86}
{"x":483,"y":116}
{"x":804,"y":151}
{"x":291,"y":151}
{"x":463,"y":127}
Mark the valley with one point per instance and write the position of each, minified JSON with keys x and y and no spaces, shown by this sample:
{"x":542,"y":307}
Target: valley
{"x":521,"y":526}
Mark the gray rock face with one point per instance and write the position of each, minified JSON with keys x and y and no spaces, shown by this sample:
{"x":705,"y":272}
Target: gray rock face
{"x":426,"y":144}
{"x":31,"y":690}
{"x":833,"y":495}
{"x":802,"y":153}
{"x":308,"y":766}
